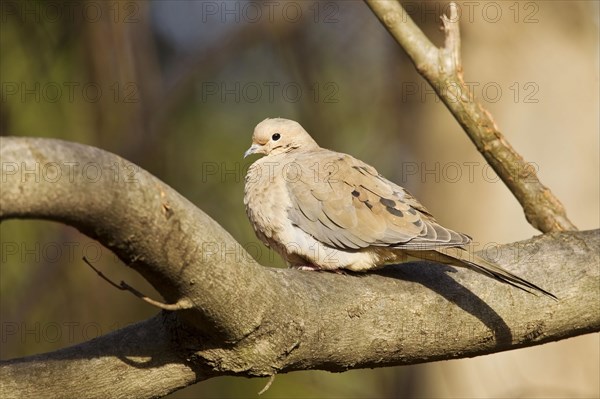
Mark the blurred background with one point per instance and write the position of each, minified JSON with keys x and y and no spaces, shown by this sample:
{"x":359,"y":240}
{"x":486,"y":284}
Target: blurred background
{"x":177,"y":88}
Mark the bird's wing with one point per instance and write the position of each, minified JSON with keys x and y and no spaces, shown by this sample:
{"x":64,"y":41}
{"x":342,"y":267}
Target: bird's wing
{"x":346,"y":204}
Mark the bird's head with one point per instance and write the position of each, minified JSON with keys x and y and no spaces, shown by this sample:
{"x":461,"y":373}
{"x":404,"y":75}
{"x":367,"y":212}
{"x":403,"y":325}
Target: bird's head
{"x":277,"y":135}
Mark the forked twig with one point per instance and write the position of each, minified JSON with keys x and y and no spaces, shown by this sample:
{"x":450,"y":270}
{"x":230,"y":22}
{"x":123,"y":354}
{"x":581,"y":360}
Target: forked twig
{"x":179,"y":305}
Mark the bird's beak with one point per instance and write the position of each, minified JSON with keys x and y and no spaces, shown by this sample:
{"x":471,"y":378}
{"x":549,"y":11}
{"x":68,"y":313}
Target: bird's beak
{"x":252,"y":150}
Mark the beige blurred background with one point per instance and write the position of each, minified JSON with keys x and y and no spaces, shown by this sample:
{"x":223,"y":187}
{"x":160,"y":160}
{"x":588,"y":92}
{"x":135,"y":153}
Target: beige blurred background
{"x":177,"y":88}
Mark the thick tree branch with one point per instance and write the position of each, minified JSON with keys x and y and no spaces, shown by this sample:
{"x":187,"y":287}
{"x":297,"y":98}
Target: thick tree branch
{"x":255,"y":321}
{"x":138,"y":361}
{"x":182,"y":252}
{"x":443,"y":70}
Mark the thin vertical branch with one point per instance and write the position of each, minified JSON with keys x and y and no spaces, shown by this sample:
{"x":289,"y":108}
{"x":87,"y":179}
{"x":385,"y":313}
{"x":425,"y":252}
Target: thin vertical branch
{"x":442,"y":68}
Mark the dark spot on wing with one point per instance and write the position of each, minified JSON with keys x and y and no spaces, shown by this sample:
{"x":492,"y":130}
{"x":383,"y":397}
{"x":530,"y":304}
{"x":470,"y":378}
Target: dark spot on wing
{"x":418,"y":222}
{"x":394,"y":211}
{"x":362,"y":170}
{"x":355,"y":193}
{"x":412,"y":211}
{"x":387,"y":202}
{"x":368,"y":204}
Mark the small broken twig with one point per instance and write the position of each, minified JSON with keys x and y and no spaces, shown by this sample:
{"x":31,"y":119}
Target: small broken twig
{"x":266,"y":388}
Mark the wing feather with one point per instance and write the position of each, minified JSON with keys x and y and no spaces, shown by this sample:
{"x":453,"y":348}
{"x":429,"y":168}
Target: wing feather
{"x":346,"y":204}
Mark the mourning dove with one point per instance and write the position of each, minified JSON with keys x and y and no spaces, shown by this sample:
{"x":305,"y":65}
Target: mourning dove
{"x":325,"y":210}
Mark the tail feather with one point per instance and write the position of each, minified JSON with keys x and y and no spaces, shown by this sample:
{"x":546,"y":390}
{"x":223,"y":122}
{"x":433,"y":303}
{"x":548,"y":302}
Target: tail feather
{"x":461,"y":257}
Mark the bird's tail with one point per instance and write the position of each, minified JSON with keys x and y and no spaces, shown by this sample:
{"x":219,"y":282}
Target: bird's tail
{"x":459,"y":256}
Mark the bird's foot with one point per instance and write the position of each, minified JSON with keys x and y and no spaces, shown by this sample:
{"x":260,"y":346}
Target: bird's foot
{"x":315,"y":268}
{"x":312,"y":268}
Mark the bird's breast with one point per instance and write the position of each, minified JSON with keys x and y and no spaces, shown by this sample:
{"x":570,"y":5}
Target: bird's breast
{"x":267,"y":200}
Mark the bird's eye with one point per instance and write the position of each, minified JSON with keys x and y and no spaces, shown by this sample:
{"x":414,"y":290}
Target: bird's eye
{"x":276,"y":136}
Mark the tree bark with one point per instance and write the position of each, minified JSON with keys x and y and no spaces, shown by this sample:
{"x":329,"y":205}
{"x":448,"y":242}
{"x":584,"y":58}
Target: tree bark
{"x":252,"y":321}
